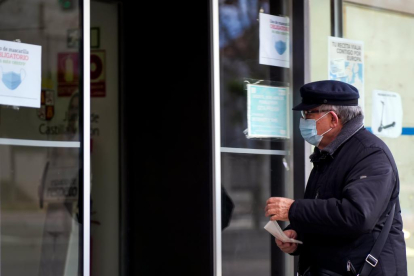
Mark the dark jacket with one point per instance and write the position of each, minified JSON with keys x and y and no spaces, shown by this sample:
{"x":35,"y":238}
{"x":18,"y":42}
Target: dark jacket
{"x":350,"y":191}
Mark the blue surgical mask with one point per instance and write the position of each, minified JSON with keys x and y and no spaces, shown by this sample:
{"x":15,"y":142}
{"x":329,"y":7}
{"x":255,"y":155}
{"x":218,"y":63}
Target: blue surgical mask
{"x":309,"y":132}
{"x":280,"y":47}
{"x":12,"y":80}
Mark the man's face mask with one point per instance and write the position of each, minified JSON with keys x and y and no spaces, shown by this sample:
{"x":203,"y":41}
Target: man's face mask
{"x":309,"y":132}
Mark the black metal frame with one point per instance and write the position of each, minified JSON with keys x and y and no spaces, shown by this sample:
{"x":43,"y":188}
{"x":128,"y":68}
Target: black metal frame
{"x":124,"y":215}
{"x":298,"y":79}
{"x":81,"y":138}
{"x":336,"y":18}
{"x":166,"y":156}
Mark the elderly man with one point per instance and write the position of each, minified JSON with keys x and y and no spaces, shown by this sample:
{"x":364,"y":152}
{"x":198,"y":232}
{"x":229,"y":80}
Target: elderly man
{"x":352,"y":190}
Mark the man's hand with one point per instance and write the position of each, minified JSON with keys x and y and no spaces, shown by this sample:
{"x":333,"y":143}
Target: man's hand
{"x":288,"y":247}
{"x":278,"y":208}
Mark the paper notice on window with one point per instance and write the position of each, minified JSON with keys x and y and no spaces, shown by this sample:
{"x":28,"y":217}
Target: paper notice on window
{"x":273,"y":228}
{"x":267,"y":111}
{"x":274,"y":40}
{"x":20,"y":74}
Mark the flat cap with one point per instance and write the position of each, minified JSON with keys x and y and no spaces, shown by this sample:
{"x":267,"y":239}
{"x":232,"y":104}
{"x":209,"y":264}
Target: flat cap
{"x":329,"y":92}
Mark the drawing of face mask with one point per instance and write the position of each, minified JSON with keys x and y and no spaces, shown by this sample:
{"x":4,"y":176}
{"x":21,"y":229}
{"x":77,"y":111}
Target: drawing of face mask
{"x":12,"y":80}
{"x":280,"y":47}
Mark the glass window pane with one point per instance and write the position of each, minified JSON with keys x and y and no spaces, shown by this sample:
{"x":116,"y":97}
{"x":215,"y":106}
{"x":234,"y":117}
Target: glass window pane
{"x":40,"y":148}
{"x":254,"y":168}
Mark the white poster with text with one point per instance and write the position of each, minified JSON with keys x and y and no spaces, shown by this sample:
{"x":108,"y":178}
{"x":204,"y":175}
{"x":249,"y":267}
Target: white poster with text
{"x":20,"y":73}
{"x":274,"y":40}
{"x":346,"y":63}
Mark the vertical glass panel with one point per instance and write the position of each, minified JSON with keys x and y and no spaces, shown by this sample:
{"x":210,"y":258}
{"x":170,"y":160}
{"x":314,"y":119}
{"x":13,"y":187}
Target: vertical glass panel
{"x":255,"y":160}
{"x":40,"y":149}
{"x":389,"y":69}
{"x":105,"y":184}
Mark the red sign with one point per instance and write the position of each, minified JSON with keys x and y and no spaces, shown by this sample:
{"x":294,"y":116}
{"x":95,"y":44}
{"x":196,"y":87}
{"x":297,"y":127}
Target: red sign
{"x":68,"y":74}
{"x":98,"y":76}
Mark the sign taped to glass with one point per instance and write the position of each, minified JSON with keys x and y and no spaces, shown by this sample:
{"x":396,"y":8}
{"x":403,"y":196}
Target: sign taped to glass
{"x":267,"y":112}
{"x":20,"y":73}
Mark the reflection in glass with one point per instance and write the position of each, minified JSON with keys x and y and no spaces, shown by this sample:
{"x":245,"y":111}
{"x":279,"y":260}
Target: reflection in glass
{"x":249,"y":179}
{"x":39,"y":185}
{"x":59,"y":194}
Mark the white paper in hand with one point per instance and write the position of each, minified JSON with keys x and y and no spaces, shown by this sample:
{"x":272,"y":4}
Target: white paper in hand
{"x":273,"y":228}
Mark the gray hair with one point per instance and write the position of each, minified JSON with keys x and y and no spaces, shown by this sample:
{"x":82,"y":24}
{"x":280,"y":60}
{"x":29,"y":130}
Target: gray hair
{"x":345,"y":113}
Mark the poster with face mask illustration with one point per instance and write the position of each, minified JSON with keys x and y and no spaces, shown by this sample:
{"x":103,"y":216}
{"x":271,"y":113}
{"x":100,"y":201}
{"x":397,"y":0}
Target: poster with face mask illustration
{"x":20,"y":73}
{"x":274,"y":40}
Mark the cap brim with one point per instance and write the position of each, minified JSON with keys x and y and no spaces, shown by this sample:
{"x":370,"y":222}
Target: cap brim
{"x":304,"y":106}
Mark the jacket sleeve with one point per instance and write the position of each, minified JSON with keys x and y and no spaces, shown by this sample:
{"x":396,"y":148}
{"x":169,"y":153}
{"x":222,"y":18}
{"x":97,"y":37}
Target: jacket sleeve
{"x":365,"y":197}
{"x":299,"y":248}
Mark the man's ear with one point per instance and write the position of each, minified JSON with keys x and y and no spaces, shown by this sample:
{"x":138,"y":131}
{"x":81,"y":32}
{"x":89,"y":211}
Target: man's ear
{"x":335,"y":120}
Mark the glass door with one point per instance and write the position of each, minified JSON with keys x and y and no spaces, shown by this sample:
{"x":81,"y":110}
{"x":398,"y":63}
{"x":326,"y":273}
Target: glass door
{"x":255,"y":139}
{"x":44,"y":169}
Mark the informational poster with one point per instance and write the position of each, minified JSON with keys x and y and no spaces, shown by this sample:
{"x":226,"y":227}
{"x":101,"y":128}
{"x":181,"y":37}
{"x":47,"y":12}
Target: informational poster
{"x":98,"y":78}
{"x":274,"y":40}
{"x":387,"y":114}
{"x":346,"y":63}
{"x":267,"y":111}
{"x":20,"y":72}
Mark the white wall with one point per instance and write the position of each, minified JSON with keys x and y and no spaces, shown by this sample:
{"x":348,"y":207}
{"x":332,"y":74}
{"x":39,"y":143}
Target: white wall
{"x":389,"y":66}
{"x":389,"y":61}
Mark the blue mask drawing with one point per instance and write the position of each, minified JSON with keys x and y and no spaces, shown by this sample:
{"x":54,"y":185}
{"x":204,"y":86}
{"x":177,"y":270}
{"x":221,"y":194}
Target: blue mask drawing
{"x":280,"y":47}
{"x":12,"y":80}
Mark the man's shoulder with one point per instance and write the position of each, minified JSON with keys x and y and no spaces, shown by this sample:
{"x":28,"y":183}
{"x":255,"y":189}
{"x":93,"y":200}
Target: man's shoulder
{"x":366,"y":141}
{"x":364,"y":144}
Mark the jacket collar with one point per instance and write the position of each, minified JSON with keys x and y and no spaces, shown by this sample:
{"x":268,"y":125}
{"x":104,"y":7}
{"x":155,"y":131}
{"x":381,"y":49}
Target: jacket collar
{"x":348,"y":130}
